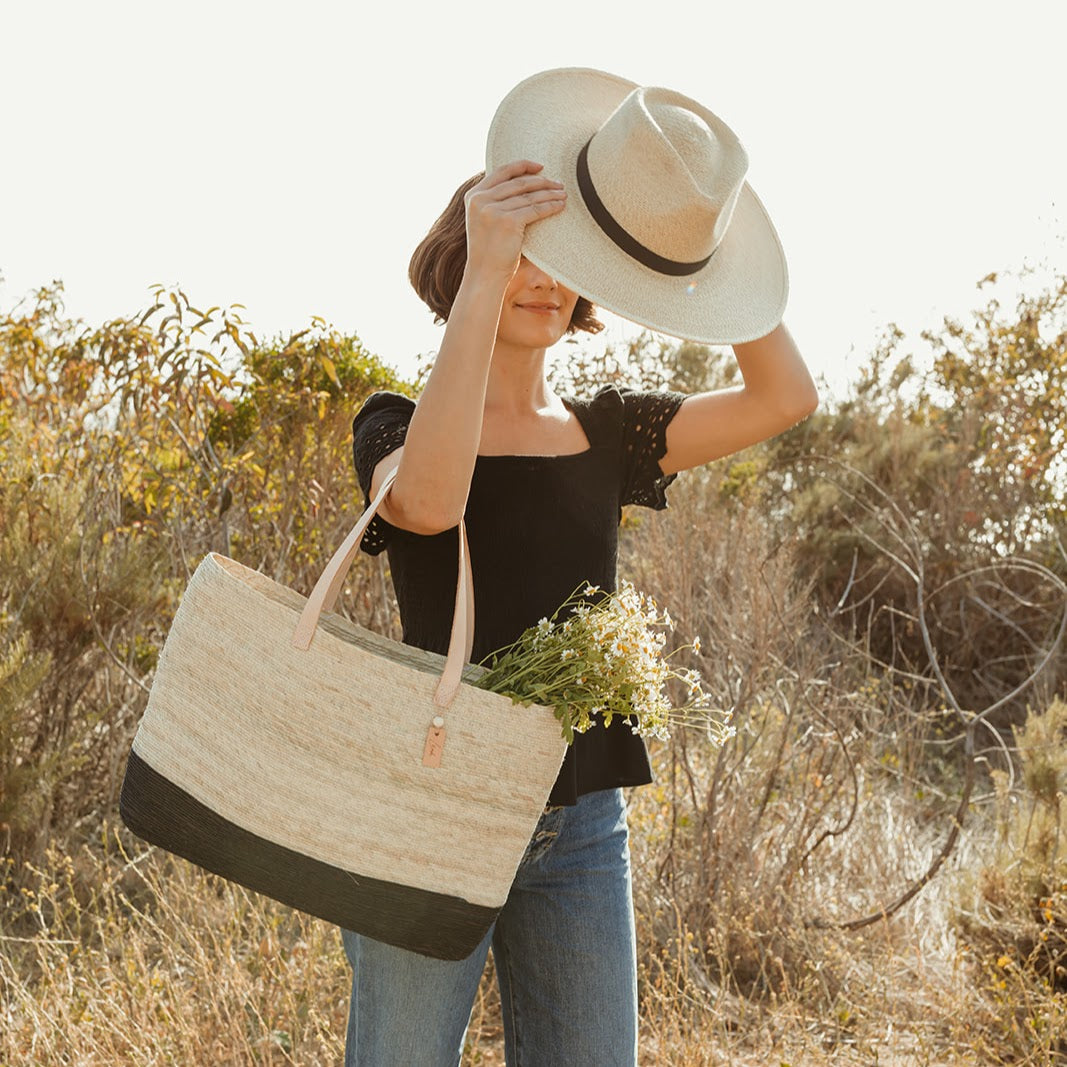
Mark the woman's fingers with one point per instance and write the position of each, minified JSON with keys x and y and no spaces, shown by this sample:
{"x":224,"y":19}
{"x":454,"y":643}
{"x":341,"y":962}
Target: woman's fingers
{"x":516,"y":187}
{"x":534,"y":206}
{"x":502,"y":205}
{"x":524,"y":195}
{"x":513,"y":179}
{"x":509,"y":170}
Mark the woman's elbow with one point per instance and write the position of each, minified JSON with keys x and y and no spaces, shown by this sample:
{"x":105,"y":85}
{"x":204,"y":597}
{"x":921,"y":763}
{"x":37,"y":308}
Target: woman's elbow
{"x":800,"y":404}
{"x":811,"y":402}
{"x":426,"y":518}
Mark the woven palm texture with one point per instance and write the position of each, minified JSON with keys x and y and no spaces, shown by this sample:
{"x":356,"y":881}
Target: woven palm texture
{"x":300,"y":773}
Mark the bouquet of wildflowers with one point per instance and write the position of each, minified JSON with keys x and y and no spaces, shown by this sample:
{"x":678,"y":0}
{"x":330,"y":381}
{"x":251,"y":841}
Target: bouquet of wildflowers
{"x":602,"y":656}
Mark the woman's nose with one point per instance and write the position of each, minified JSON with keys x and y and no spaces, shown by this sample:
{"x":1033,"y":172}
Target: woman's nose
{"x":540,"y":280}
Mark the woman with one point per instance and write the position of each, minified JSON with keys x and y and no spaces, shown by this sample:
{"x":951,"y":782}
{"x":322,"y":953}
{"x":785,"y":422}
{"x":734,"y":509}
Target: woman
{"x":642,"y":207}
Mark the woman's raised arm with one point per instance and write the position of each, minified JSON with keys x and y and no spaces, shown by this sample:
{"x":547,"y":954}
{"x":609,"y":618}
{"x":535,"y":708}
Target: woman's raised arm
{"x":778,"y":392}
{"x":437,"y":460}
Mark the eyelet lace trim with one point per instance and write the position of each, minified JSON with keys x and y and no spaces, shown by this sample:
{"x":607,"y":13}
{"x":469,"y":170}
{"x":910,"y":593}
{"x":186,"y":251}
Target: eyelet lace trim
{"x":645,"y":420}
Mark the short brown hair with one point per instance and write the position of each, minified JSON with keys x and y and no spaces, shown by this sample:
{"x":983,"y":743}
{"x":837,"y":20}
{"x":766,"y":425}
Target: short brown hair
{"x":436,"y":268}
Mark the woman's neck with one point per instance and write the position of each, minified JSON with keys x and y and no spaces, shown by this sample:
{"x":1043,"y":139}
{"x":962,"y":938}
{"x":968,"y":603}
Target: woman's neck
{"x":517,"y":384}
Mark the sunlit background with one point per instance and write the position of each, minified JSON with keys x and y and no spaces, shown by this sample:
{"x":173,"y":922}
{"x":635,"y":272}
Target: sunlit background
{"x":289,"y":156}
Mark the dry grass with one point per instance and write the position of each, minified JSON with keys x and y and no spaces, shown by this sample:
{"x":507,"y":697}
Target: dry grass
{"x":120,"y":955}
{"x":115,"y":954}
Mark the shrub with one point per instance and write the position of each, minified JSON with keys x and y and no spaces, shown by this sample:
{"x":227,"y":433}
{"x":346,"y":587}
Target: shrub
{"x":128,"y":452}
{"x":1012,"y":913}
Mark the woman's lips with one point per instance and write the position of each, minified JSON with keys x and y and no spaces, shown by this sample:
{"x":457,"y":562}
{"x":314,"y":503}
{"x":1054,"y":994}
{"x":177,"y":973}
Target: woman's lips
{"x":540,"y":309}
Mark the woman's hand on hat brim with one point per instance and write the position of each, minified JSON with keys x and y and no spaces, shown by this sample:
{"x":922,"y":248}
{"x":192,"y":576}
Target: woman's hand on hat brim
{"x":499,"y":208}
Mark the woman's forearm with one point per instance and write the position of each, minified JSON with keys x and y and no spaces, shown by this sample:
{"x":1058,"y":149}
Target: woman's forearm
{"x":442,"y":441}
{"x":775,"y":372}
{"x":778,"y":393}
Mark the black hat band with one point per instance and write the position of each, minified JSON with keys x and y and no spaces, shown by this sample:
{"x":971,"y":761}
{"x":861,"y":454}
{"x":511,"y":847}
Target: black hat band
{"x":626,"y":241}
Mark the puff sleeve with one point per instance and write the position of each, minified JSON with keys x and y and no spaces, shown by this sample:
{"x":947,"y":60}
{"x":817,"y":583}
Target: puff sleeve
{"x":378,"y":429}
{"x":645,"y":417}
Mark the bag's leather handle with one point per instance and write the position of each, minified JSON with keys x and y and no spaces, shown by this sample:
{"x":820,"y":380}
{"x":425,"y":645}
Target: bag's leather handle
{"x":328,"y":588}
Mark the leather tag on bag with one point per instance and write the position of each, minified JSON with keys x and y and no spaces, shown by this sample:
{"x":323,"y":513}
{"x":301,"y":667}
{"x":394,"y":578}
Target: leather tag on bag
{"x":434,"y":748}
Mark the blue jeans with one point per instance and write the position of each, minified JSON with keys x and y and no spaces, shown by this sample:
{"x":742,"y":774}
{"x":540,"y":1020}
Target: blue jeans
{"x":565,"y":959}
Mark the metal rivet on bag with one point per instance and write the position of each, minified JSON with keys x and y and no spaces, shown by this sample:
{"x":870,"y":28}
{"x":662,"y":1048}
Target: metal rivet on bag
{"x":438,"y":721}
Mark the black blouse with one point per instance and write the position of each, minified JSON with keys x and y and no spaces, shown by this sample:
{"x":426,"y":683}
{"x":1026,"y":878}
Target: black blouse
{"x":538,"y":526}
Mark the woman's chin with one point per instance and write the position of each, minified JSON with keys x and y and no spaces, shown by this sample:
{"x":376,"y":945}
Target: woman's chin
{"x":533,"y":338}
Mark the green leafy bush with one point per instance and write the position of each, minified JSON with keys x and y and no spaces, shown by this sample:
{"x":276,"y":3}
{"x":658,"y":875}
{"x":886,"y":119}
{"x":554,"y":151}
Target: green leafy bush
{"x":129,"y":451}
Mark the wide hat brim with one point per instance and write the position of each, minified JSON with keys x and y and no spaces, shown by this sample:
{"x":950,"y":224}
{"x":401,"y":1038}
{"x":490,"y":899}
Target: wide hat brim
{"x":739,"y":295}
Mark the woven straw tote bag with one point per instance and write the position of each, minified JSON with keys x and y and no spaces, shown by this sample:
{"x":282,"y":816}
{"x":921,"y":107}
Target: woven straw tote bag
{"x":349,"y":776}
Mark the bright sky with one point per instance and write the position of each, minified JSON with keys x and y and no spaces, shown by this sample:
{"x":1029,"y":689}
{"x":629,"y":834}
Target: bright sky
{"x":289,"y":156}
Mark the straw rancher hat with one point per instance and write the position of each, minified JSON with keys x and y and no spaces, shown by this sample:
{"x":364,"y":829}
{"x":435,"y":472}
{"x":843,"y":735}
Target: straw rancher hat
{"x":660,"y":225}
